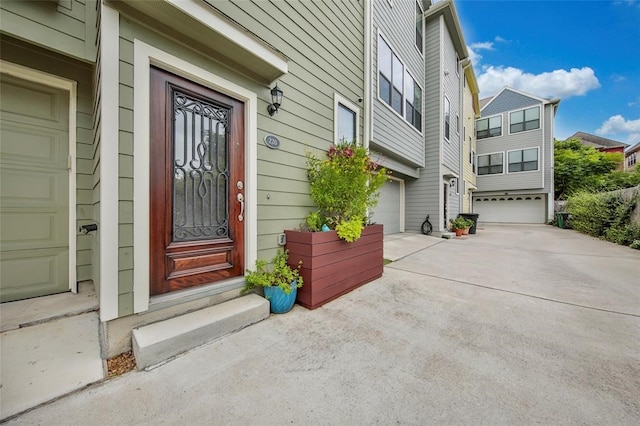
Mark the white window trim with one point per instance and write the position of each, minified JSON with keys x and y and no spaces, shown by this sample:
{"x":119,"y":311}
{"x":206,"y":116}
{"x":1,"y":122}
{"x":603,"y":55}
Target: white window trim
{"x":144,"y":56}
{"x":339,"y":99}
{"x":506,"y":169}
{"x":490,"y":153}
{"x":71,"y":87}
{"x":475,"y":127}
{"x":424,"y":29}
{"x":524,"y":131}
{"x":404,"y":69}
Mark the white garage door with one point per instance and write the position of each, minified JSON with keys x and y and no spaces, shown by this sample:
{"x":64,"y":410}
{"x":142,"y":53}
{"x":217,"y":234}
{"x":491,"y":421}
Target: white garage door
{"x":387,"y":211}
{"x":510,"y":209}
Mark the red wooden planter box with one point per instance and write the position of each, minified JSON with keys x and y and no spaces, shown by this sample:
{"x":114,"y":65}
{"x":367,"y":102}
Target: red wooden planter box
{"x":332,"y":267}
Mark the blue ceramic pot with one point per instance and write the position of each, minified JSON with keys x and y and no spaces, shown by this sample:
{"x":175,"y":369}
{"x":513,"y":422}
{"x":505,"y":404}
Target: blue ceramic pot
{"x":279,"y":300}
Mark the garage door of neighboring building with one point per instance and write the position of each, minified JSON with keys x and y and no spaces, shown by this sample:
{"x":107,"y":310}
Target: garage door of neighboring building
{"x":34,"y":196}
{"x":511,"y":209}
{"x":389,"y":208}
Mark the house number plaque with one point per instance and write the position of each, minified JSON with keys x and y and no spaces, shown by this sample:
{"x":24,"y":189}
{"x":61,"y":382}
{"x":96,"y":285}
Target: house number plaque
{"x":272,"y":141}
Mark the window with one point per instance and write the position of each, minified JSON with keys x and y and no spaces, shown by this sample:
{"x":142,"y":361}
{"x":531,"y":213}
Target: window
{"x":473,"y":159}
{"x":631,"y":159}
{"x":523,"y":120}
{"x":391,"y":72}
{"x":470,"y":151}
{"x":396,"y":86}
{"x":413,"y":101}
{"x":489,"y":127}
{"x":490,"y":164}
{"x":458,"y":124}
{"x":346,"y":117}
{"x":523,"y":160}
{"x":419,"y":27}
{"x":447,"y":118}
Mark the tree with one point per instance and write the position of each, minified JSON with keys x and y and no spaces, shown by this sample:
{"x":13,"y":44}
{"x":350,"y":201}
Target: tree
{"x":579,"y":167}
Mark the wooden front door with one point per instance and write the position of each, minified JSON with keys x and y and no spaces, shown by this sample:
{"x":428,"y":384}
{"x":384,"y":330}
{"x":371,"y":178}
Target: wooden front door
{"x":197,"y":184}
{"x":34,"y":196}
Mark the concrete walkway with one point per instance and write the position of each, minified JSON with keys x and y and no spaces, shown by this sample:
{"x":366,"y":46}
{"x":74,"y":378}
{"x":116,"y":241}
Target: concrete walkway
{"x":513,"y":325}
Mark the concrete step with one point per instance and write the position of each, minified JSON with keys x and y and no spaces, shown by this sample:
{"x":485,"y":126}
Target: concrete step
{"x":161,"y":341}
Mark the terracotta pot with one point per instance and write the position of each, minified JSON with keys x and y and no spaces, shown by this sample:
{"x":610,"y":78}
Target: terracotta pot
{"x":332,"y":267}
{"x":465,"y":231}
{"x":458,"y":232}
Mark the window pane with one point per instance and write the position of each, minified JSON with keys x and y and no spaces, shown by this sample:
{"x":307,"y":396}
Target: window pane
{"x":447,"y":118}
{"x":482,"y":124}
{"x":483,"y":160}
{"x":530,"y":165}
{"x":385,"y":89}
{"x":494,"y":122}
{"x":396,"y":101}
{"x":419,"y":26}
{"x":418,"y":98}
{"x":385,"y":58}
{"x":530,"y":154}
{"x":517,"y":127}
{"x":515,"y":157}
{"x":496,"y":159}
{"x":532,"y":114}
{"x":517,"y":117}
{"x":397,"y":73}
{"x":530,"y":125}
{"x":346,"y":124}
{"x":408,"y":87}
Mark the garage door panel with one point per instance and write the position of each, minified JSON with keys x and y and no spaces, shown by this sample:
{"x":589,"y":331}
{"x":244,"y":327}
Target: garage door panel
{"x":387,"y":212}
{"x":24,"y":231}
{"x":516,"y":209}
{"x":23,"y":143}
{"x":34,"y":189}
{"x":33,"y":273}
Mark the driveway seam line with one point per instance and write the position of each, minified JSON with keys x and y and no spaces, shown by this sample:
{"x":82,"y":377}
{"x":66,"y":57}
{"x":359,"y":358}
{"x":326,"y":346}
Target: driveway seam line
{"x":518,"y":293}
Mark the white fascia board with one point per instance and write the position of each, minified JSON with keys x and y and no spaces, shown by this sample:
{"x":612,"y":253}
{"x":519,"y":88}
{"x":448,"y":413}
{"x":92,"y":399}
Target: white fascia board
{"x":202,"y":12}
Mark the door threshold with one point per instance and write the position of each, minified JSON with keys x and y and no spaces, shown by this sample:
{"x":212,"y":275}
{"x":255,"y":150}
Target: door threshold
{"x":167,"y":300}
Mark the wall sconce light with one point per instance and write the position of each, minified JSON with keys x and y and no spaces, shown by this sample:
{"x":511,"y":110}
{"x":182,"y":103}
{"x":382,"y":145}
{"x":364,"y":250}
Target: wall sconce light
{"x":276,"y":100}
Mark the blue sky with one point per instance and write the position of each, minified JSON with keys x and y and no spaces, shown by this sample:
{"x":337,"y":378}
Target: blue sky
{"x":586,"y":53}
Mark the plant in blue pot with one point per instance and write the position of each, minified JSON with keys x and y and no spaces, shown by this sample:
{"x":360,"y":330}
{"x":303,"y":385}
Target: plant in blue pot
{"x":279,"y":280}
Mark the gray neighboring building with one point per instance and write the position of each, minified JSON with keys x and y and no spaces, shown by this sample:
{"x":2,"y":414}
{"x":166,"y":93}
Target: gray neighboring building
{"x":417,"y":81}
{"x":514,"y":138}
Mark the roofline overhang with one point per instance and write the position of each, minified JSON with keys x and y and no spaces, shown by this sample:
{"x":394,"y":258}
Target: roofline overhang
{"x":447,"y":9}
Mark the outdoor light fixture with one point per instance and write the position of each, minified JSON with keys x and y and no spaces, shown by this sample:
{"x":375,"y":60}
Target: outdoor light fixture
{"x":276,"y":100}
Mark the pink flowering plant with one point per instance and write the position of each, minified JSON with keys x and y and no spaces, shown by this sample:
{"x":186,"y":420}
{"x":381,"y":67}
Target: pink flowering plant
{"x":344,"y":186}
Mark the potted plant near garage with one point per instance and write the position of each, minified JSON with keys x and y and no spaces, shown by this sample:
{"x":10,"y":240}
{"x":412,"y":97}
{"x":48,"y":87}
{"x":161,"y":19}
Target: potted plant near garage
{"x":349,"y":253}
{"x":279,"y":280}
{"x":459,"y":224}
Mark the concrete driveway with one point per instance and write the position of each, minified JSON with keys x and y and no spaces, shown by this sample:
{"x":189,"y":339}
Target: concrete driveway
{"x":513,"y":325}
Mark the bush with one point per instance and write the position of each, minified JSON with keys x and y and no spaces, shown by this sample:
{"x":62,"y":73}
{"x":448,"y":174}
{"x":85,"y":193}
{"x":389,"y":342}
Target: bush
{"x":606,"y":215}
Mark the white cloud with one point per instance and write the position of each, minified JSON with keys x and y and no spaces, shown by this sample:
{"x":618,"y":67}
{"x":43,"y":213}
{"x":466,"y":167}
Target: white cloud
{"x":618,"y":124}
{"x":555,"y":84}
{"x":486,"y":45}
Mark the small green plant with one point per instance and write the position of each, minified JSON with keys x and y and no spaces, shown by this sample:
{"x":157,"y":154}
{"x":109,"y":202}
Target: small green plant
{"x":635,"y":244}
{"x":460,"y":223}
{"x":279,"y":273}
{"x":344,"y":186}
{"x":350,"y":230}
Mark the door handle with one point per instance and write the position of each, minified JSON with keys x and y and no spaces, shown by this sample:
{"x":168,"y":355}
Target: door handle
{"x":240,"y":199}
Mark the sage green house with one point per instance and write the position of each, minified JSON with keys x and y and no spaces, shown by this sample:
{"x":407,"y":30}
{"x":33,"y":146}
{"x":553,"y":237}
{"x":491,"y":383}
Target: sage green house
{"x":133,"y":151}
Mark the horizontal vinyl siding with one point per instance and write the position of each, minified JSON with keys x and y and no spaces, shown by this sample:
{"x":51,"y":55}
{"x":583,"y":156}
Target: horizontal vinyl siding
{"x":548,"y":149}
{"x":451,"y":87}
{"x":325,"y":48}
{"x":392,"y":134}
{"x":423,"y":195}
{"x":67,"y":27}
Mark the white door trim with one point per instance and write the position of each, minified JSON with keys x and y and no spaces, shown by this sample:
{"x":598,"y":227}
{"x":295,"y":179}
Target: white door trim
{"x":70,"y":86}
{"x":145,"y":56}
